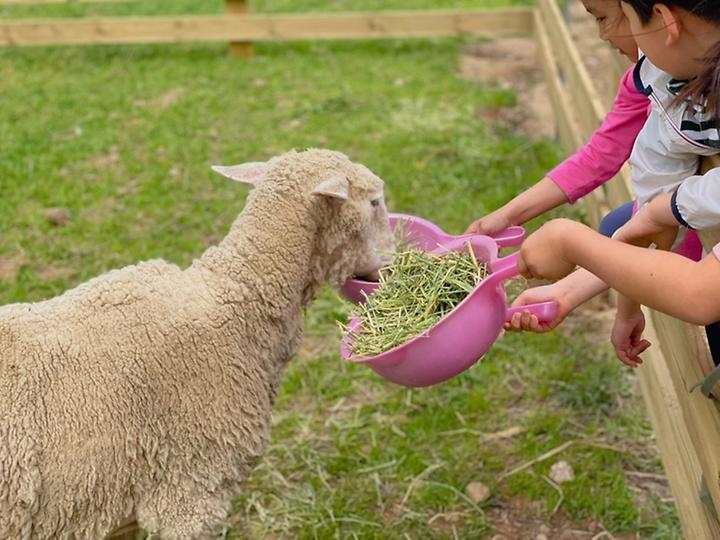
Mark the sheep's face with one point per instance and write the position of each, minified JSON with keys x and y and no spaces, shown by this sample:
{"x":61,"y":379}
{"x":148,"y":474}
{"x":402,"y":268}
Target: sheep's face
{"x":344,"y":203}
{"x":370,"y":242}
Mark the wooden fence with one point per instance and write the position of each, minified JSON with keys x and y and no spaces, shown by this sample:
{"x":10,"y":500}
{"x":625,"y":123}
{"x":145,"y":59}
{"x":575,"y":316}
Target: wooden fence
{"x":686,"y":424}
{"x":237,"y":25}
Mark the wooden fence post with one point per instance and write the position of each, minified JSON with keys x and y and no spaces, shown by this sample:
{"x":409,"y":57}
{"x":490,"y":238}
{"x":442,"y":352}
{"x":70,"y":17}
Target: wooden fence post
{"x":686,"y":424}
{"x":239,"y":49}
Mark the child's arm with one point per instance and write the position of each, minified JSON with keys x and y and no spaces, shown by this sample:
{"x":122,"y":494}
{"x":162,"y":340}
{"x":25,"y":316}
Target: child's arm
{"x":590,"y":167}
{"x":543,"y":196}
{"x":609,"y":147}
{"x":659,"y":279}
{"x":569,"y":292}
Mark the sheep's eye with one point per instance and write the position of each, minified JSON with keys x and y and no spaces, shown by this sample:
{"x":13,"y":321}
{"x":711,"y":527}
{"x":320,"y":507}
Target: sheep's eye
{"x":375,"y":202}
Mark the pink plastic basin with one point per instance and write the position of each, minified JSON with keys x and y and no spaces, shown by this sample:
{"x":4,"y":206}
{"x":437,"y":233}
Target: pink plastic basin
{"x":460,"y":338}
{"x":426,"y":236}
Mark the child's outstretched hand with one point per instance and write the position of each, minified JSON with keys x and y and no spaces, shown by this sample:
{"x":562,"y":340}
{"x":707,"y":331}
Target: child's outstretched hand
{"x":653,"y":223}
{"x":493,"y":223}
{"x":526,"y":321}
{"x":542,"y":253}
{"x":627,"y":332}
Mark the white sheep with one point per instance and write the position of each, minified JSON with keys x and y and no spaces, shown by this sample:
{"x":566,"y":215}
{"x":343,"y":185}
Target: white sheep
{"x":145,"y":394}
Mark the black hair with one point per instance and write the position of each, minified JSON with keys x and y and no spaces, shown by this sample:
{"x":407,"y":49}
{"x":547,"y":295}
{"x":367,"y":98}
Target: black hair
{"x":705,"y":87}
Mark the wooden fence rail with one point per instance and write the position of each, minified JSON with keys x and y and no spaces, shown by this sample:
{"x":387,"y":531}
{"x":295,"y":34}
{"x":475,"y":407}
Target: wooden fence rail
{"x":43,"y":2}
{"x":236,"y":27}
{"x":686,"y":424}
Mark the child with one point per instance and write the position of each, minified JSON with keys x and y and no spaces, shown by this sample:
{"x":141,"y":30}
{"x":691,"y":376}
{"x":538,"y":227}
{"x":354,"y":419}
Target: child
{"x":683,"y":38}
{"x":607,"y":150}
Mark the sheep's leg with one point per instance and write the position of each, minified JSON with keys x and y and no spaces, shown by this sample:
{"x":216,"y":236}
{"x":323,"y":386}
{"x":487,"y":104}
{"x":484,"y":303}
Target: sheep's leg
{"x":186,"y":512}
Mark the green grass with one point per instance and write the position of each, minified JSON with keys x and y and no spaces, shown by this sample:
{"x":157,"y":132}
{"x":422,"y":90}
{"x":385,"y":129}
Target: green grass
{"x":123,"y":137}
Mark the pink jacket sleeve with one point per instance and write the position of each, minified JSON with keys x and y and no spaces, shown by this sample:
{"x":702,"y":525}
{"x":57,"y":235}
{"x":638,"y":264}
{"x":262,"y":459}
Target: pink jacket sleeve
{"x":609,"y":147}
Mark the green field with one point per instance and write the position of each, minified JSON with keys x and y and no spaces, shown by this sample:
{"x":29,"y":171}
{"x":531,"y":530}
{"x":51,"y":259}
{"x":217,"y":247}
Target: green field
{"x":122,"y":138}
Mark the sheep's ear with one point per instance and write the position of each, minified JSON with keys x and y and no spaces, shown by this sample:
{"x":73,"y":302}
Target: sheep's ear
{"x":336,"y":187}
{"x":247,"y":173}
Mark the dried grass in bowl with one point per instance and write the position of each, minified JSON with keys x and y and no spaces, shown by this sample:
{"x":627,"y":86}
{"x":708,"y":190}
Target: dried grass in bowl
{"x":418,"y":290}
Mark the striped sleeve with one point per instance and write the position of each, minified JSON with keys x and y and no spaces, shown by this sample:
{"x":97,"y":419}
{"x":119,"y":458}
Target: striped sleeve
{"x":697,"y":200}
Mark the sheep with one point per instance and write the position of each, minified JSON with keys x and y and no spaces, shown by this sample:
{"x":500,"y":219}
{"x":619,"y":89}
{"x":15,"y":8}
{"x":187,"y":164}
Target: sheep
{"x":145,"y":394}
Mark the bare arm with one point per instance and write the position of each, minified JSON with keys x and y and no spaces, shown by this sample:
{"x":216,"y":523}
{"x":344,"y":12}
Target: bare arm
{"x":661,"y":280}
{"x":538,"y":199}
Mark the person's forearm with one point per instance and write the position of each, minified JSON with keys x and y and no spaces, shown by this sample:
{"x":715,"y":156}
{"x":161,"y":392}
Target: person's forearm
{"x":658,"y":279}
{"x":543,"y":196}
{"x":581,"y":286}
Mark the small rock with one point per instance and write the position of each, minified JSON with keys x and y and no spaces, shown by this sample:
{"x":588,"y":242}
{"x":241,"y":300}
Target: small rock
{"x":561,"y":472}
{"x":57,"y":216}
{"x":544,"y":529}
{"x":477,"y":491}
{"x":499,"y":537}
{"x":541,"y":536}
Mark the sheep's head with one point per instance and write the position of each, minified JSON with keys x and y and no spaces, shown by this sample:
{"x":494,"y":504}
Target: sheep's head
{"x":340,"y":202}
{"x":354,"y":220}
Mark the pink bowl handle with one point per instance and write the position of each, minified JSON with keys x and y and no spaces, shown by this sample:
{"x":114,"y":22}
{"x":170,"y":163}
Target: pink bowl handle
{"x":512,"y":236}
{"x":544,"y":311}
{"x":504,"y":268}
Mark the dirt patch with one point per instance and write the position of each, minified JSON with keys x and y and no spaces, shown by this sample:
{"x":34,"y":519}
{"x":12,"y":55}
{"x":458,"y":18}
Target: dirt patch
{"x":162,"y":102}
{"x":594,"y":319}
{"x":54,"y":273}
{"x":9,"y":266}
{"x":107,"y":160}
{"x":57,"y":217}
{"x":503,"y":61}
{"x":520,"y":519}
{"x":511,"y":63}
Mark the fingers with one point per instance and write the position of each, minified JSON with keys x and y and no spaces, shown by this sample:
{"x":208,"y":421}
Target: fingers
{"x":473,"y":228}
{"x":630,"y":356}
{"x":526,"y":322}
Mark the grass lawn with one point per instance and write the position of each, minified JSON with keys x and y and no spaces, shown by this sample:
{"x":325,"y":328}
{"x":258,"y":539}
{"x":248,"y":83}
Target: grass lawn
{"x":121,"y":138}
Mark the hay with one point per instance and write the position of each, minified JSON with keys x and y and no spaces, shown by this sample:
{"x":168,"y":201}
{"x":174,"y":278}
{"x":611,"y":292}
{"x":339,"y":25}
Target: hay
{"x":418,"y":290}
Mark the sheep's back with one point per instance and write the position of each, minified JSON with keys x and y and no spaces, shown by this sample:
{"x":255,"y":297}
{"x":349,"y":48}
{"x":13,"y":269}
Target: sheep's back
{"x":106,"y":382}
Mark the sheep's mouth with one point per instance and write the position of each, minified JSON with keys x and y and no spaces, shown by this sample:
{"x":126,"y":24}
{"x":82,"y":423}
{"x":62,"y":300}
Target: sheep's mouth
{"x":374,"y":276}
{"x":371,"y":276}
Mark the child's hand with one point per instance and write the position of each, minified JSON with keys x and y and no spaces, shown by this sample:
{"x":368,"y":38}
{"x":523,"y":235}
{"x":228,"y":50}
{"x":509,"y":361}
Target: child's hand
{"x":626,"y":336}
{"x":493,"y":223}
{"x":653,"y":223}
{"x":542,"y":254}
{"x":528,"y":322}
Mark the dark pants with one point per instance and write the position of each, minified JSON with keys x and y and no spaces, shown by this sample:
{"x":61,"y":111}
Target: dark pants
{"x":616,"y":219}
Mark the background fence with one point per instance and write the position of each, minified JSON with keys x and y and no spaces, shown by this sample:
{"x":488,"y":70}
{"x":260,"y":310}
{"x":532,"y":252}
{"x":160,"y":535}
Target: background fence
{"x":686,"y":424}
{"x":239,"y":27}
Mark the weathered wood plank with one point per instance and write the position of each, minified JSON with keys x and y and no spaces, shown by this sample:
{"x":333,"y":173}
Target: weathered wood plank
{"x":586,"y":103}
{"x":239,"y":49}
{"x":238,"y":27}
{"x":44,"y":2}
{"x":673,"y":438}
{"x":567,"y":125}
{"x":687,"y":425}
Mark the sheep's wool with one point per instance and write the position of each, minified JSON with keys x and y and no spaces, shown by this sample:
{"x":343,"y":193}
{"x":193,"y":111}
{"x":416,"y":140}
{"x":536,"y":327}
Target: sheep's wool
{"x":145,"y":394}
